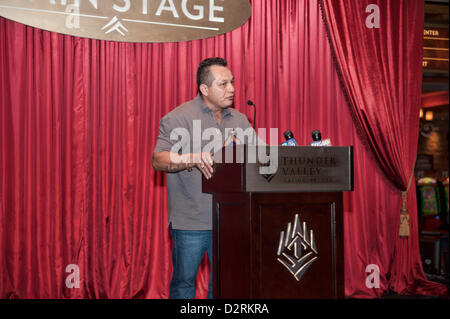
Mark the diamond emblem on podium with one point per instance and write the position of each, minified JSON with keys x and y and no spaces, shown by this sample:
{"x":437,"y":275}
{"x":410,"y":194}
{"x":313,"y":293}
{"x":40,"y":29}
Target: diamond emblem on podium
{"x":297,"y":248}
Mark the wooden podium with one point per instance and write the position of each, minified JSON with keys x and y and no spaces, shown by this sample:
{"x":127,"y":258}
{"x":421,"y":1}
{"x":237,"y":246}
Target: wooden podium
{"x":280,"y":235}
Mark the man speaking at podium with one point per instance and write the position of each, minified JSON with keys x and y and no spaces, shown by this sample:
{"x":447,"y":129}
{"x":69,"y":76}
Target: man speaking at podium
{"x":190,"y":216}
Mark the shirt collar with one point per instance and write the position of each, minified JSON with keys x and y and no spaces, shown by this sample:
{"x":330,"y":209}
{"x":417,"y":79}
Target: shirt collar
{"x":206,"y":109}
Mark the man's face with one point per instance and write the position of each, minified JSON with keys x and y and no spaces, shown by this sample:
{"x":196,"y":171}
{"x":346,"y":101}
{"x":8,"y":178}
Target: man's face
{"x":220,"y":95}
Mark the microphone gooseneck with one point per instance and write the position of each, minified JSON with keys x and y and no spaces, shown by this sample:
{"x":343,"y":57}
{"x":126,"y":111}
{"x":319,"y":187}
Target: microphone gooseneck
{"x":250,"y":103}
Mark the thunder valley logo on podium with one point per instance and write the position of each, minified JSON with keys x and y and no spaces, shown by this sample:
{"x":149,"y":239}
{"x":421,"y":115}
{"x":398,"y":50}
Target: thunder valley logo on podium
{"x":131,"y":20}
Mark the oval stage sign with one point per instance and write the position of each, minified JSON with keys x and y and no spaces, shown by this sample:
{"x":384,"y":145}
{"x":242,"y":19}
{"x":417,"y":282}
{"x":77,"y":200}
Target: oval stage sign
{"x":131,"y":20}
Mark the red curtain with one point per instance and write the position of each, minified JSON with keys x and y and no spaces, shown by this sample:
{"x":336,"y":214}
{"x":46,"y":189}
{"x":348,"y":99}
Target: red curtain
{"x":377,"y":46}
{"x":79,"y":120}
{"x":381,"y":70}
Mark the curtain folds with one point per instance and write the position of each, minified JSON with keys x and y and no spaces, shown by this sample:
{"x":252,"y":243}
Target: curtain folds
{"x":381,"y":71}
{"x":377,"y":47}
{"x":79,"y":121}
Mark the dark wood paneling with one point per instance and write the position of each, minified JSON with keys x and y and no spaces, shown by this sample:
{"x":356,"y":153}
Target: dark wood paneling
{"x":248,"y":229}
{"x":232,"y":246}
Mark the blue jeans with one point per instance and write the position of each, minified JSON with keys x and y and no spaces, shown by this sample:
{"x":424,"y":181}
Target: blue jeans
{"x":189,"y":247}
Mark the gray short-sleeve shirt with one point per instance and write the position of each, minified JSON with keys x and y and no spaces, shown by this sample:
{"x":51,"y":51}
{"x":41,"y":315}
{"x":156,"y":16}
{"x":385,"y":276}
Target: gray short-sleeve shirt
{"x":189,"y":208}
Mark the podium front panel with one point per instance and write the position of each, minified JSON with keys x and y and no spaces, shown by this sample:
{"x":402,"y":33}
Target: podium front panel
{"x":279,"y":245}
{"x":298,"y":246}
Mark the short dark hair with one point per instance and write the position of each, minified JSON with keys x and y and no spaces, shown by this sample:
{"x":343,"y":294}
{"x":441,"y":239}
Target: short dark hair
{"x":204,"y":73}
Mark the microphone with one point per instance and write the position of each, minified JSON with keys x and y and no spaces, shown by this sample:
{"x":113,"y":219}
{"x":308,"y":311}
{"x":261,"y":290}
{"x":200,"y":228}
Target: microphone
{"x":290,"y":140}
{"x":317,"y":139}
{"x":250,"y":103}
{"x":316,"y":135}
{"x":232,"y":139}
